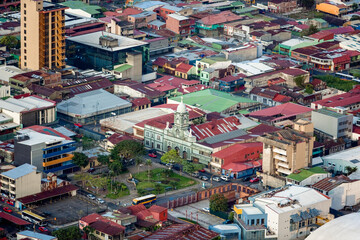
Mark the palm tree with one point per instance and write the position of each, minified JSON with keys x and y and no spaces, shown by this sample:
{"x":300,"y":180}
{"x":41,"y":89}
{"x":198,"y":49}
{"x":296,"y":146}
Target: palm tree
{"x":149,"y":164}
{"x":138,"y":162}
{"x":350,"y":170}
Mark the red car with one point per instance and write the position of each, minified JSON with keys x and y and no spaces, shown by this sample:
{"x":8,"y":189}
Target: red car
{"x":202,"y":170}
{"x":153,"y":155}
{"x":6,"y":209}
{"x":43,"y":229}
{"x":78,"y":125}
{"x":255,"y":179}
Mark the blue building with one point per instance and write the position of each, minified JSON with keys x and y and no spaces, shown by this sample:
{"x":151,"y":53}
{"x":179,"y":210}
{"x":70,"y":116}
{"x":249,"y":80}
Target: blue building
{"x":251,"y":220}
{"x":231,"y":83}
{"x":227,"y":231}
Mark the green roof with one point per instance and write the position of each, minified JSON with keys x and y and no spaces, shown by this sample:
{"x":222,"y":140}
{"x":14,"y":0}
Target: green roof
{"x":305,"y":173}
{"x":320,"y":20}
{"x":245,"y":10}
{"x":212,"y":60}
{"x":212,"y":100}
{"x":238,"y":3}
{"x":122,"y":68}
{"x":91,"y":9}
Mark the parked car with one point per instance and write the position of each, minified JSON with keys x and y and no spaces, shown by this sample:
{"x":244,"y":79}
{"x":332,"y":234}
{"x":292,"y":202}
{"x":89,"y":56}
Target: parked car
{"x":202,"y":170}
{"x":226,"y":221}
{"x":43,"y":229}
{"x":205,"y":178}
{"x":91,"y":196}
{"x":91,"y":170}
{"x":195,"y":174}
{"x":78,"y":125}
{"x":6,"y":209}
{"x":216,"y":179}
{"x":225,"y":178}
{"x":255,"y":179}
{"x":153,"y":155}
{"x":206,"y":209}
{"x":246,"y":179}
{"x":99,"y":200}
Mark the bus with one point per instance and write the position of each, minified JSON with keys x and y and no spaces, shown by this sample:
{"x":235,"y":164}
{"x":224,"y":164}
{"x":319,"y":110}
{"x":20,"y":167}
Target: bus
{"x":145,"y":200}
{"x":33,"y":217}
{"x":347,"y":77}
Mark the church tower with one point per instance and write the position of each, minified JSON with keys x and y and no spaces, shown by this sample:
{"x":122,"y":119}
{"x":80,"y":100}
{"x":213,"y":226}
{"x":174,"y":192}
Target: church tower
{"x":181,"y":120}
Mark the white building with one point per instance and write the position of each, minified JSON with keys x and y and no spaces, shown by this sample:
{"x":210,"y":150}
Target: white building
{"x":342,"y":190}
{"x":307,"y":177}
{"x":292,"y":211}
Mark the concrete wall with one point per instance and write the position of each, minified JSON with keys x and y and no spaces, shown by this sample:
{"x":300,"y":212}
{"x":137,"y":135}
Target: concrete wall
{"x":28,"y":184}
{"x":347,"y":194}
{"x":332,"y":126}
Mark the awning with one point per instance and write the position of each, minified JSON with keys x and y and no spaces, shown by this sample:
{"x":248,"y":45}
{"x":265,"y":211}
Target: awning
{"x":13,"y":219}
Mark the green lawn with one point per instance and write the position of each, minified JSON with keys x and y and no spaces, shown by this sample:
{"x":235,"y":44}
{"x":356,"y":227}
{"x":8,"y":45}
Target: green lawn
{"x":159,"y":181}
{"x":118,"y":190}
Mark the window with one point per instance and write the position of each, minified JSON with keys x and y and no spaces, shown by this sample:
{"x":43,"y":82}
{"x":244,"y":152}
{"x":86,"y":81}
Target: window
{"x":24,"y":5}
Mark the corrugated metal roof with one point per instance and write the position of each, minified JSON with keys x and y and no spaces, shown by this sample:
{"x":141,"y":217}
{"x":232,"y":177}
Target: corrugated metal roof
{"x":19,"y":171}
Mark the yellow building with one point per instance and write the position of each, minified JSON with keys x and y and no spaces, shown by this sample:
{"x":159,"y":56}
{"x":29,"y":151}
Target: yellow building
{"x":42,"y":35}
{"x":332,"y":9}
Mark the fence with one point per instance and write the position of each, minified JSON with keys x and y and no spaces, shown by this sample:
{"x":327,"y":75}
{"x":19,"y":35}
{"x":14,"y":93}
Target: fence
{"x":206,"y":194}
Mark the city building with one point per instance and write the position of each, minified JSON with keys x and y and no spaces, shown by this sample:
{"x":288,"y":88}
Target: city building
{"x":284,"y":152}
{"x":180,"y":24}
{"x":42,"y":35}
{"x":29,"y":110}
{"x":282,"y":6}
{"x":98,"y":50}
{"x":7,"y":127}
{"x":46,"y":149}
{"x":211,"y":100}
{"x":252,"y":221}
{"x":337,"y":125}
{"x":343,"y":191}
{"x":91,"y":107}
{"x":307,"y":177}
{"x":228,"y":231}
{"x":292,"y":212}
{"x":142,"y":19}
{"x":238,"y":160}
{"x":20,"y":182}
{"x":231,"y":83}
{"x":280,"y":113}
{"x":32,"y":235}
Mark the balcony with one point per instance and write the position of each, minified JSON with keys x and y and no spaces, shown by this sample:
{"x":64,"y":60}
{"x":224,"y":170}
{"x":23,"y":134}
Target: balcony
{"x":280,"y":151}
{"x":280,"y":157}
{"x":57,"y":161}
{"x":284,"y":165}
{"x":63,"y":151}
{"x":284,"y":171}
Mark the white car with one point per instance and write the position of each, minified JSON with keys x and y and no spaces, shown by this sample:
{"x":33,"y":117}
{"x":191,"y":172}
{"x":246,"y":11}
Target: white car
{"x":91,"y":196}
{"x":99,"y":200}
{"x":206,"y":209}
{"x":216,"y":179}
{"x":225,"y":178}
{"x":204,"y":178}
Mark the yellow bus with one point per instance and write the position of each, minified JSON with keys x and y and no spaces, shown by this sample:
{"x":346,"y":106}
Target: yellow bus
{"x":145,"y":200}
{"x":33,"y":217}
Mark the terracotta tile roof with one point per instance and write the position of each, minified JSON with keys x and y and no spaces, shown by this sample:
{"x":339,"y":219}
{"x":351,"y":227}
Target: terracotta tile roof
{"x":223,"y":17}
{"x":215,"y":127}
{"x":281,"y":98}
{"x":184,"y":68}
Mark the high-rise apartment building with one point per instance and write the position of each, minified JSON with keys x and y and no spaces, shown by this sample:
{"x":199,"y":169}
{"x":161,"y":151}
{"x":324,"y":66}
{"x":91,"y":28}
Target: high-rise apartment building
{"x":42,"y":35}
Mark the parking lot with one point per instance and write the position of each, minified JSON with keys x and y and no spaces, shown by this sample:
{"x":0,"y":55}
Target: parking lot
{"x":194,"y":211}
{"x":70,"y":209}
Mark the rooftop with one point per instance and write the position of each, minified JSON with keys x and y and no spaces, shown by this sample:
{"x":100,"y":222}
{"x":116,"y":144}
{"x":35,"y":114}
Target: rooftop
{"x":91,"y":9}
{"x":35,"y":235}
{"x":212,"y":100}
{"x":93,"y":102}
{"x":328,"y":184}
{"x":329,"y":113}
{"x":223,"y":17}
{"x":305,"y":173}
{"x":20,"y":171}
{"x":92,"y":40}
{"x":26,"y":104}
{"x":178,"y":17}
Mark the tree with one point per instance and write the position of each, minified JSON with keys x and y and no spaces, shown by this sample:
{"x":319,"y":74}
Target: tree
{"x":171,"y":156}
{"x":116,"y":167}
{"x":70,"y":233}
{"x":350,"y":170}
{"x":89,"y":232}
{"x":103,"y":159}
{"x":158,"y":188}
{"x":80,"y":159}
{"x":128,"y":149}
{"x":299,"y":81}
{"x":307,"y":3}
{"x":190,"y":167}
{"x":218,"y":203}
{"x":10,"y":42}
{"x":309,"y":89}
{"x":149,"y":164}
{"x":173,"y":184}
{"x":231,"y":216}
{"x":311,"y":30}
{"x":355,"y":7}
{"x":138,"y":162}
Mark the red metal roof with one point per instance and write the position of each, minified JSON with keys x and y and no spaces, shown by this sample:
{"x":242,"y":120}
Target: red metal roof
{"x":242,"y":166}
{"x":321,"y":35}
{"x":330,"y":183}
{"x":162,"y":87}
{"x":235,"y":152}
{"x":341,"y":30}
{"x":341,"y":100}
{"x":157,"y":209}
{"x":140,"y":101}
{"x":223,"y":17}
{"x":48,"y":194}
{"x":281,"y":98}
{"x":130,"y":11}
{"x":47,"y":131}
{"x":13,"y":219}
{"x":231,"y":78}
{"x":215,"y":127}
{"x":110,"y":228}
{"x":262,"y":129}
{"x":183,"y":68}
{"x":116,"y":138}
